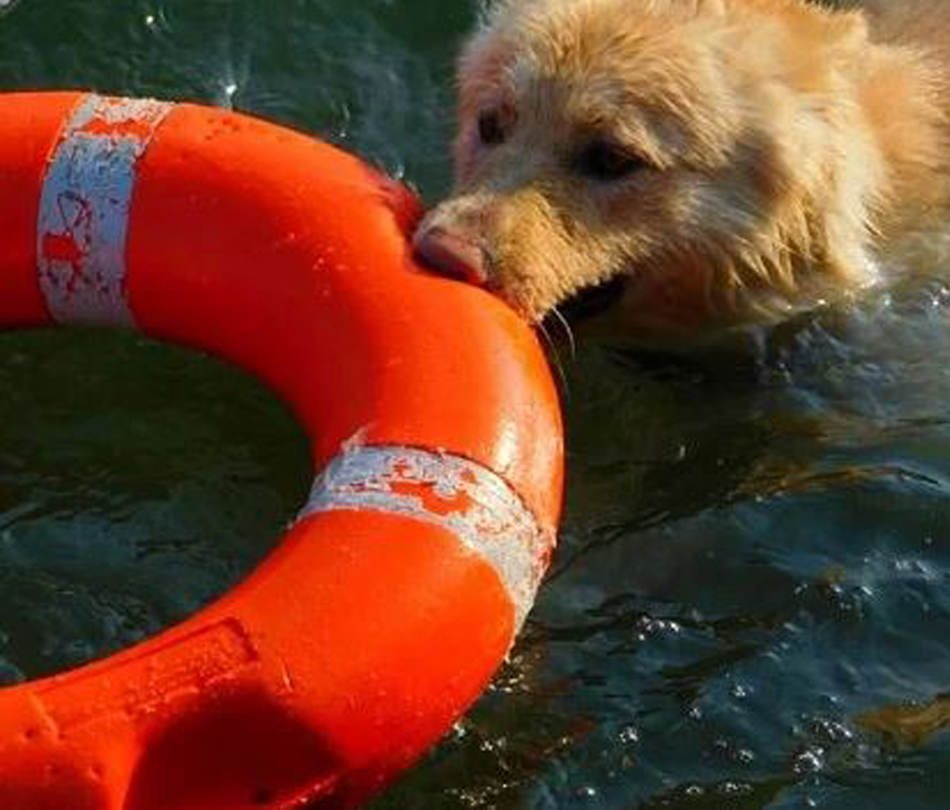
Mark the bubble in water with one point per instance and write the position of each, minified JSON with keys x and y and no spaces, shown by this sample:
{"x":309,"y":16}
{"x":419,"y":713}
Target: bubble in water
{"x":735,"y":789}
{"x":8,"y":5}
{"x":809,"y":761}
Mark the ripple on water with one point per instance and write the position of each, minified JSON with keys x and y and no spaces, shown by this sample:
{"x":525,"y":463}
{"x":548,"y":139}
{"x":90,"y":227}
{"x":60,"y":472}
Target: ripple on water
{"x":121,"y":514}
{"x":749,"y":605}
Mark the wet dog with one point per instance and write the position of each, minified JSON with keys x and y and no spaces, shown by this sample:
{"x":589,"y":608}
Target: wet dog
{"x":730,"y":161}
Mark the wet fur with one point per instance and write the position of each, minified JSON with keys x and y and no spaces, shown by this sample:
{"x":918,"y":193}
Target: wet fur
{"x":782,"y":144}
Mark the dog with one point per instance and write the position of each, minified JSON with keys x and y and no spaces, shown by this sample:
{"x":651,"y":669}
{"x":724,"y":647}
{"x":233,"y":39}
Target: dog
{"x":721,"y":162}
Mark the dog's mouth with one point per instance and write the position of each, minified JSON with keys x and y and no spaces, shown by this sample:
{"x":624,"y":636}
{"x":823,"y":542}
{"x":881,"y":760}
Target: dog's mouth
{"x":592,"y":301}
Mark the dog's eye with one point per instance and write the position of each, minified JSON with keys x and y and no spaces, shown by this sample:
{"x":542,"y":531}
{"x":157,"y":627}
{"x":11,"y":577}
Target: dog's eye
{"x":602,"y":160}
{"x":490,"y":128}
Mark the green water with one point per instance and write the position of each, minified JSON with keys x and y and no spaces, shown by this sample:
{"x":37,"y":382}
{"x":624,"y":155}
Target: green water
{"x":755,"y":554}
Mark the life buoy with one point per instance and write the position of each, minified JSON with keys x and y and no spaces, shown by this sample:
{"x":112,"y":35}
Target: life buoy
{"x":434,"y":425}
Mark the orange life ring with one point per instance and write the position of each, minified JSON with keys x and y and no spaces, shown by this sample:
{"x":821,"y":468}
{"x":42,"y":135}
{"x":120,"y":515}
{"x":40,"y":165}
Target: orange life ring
{"x":395,"y":595}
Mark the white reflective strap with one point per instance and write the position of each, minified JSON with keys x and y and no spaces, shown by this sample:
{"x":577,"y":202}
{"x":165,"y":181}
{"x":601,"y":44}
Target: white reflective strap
{"x":464,"y":497}
{"x":84,"y":209}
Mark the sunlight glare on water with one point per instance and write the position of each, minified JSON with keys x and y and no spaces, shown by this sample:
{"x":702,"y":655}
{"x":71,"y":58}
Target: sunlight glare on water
{"x":749,"y":606}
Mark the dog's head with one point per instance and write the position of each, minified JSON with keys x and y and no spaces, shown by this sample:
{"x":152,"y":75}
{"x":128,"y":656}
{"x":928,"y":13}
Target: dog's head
{"x":685,"y":144}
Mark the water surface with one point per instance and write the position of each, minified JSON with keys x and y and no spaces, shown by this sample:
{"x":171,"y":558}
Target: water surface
{"x":749,"y":607}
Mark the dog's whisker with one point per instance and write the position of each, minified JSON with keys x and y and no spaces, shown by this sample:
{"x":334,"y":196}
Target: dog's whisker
{"x":555,"y":359}
{"x":567,"y":331}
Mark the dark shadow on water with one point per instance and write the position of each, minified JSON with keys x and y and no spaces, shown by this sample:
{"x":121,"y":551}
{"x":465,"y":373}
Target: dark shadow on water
{"x":137,"y":483}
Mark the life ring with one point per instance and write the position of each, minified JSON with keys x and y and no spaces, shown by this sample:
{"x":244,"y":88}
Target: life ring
{"x":434,"y":424}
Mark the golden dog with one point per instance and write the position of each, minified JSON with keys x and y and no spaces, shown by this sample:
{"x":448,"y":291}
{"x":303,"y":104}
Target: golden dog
{"x":734,"y":161}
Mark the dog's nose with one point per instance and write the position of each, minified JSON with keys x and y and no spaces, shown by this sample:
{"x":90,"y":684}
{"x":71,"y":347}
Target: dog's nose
{"x":452,"y":255}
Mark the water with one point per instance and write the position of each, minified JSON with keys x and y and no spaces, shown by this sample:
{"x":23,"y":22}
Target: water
{"x":749,"y":607}
{"x":137,"y":482}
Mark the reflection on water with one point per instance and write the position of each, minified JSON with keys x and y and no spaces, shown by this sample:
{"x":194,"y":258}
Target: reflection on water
{"x":909,"y":723}
{"x":749,"y":607}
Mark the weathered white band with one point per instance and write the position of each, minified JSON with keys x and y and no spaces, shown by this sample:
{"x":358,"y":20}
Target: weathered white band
{"x":84,"y":209}
{"x":466,"y":498}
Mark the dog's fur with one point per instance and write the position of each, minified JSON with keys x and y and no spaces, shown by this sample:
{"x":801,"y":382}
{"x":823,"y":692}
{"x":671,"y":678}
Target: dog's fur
{"x":770,"y":145}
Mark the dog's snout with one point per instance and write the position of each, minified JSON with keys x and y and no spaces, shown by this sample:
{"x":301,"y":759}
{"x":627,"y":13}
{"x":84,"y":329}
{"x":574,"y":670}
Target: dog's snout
{"x":452,"y":255}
